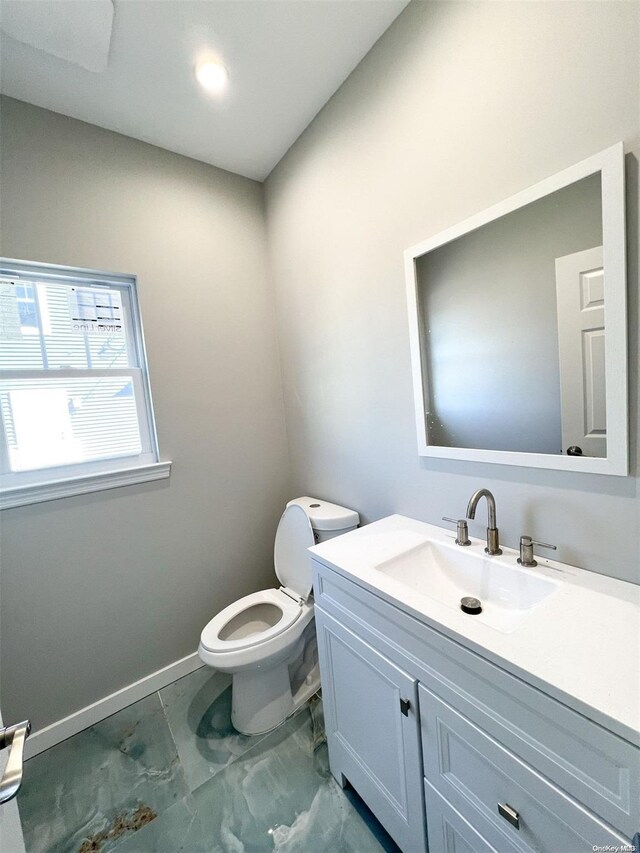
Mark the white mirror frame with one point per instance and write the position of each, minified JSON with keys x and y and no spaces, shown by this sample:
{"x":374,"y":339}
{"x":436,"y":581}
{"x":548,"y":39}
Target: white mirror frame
{"x":610,"y":163}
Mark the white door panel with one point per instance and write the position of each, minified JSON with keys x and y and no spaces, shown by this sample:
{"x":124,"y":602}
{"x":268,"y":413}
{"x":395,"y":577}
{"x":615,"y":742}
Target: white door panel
{"x":581,"y":337}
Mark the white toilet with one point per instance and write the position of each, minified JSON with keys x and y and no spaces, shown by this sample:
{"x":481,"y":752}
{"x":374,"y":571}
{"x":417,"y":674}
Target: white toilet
{"x":267,"y":639}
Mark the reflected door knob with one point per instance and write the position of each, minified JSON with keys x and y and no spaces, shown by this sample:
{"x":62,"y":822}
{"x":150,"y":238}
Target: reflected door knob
{"x":574,"y":450}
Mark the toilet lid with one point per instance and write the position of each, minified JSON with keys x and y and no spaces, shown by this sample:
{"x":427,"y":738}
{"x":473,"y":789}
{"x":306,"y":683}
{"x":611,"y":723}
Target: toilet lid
{"x":291,"y":559}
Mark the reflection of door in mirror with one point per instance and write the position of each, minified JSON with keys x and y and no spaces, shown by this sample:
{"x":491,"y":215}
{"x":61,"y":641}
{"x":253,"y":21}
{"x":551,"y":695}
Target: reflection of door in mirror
{"x":581,"y":336}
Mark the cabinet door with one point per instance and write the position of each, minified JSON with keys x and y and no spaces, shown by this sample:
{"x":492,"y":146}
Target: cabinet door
{"x":371,"y":714}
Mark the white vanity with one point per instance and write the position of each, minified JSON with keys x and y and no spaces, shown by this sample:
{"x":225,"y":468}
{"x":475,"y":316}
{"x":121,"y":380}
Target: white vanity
{"x":517,"y":729}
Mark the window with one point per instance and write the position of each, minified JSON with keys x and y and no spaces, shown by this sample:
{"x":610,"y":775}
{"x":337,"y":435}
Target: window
{"x":75,"y":402}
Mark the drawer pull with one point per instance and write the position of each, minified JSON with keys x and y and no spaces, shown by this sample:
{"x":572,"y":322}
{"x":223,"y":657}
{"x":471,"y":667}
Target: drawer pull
{"x":405,"y":704}
{"x":509,"y":814}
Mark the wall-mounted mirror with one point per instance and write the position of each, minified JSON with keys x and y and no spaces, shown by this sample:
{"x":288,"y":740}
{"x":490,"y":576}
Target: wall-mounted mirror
{"x":518,"y":327}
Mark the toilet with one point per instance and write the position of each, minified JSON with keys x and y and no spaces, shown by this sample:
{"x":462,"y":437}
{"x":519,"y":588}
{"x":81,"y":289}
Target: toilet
{"x":266,"y":640}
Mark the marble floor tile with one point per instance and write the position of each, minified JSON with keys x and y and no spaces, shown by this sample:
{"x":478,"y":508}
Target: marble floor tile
{"x":198,"y":710}
{"x":279,"y":796}
{"x":102,"y":783}
{"x":170,"y":775}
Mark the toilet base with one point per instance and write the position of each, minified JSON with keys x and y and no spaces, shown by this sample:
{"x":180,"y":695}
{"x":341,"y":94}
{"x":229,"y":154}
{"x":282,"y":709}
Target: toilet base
{"x":262,"y":701}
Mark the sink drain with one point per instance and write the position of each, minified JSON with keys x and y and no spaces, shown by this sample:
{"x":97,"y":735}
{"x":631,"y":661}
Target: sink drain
{"x":468,"y":604}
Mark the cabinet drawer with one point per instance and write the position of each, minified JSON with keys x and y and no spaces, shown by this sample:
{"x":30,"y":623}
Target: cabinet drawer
{"x":475,"y":774}
{"x":450,"y":832}
{"x":595,"y":766}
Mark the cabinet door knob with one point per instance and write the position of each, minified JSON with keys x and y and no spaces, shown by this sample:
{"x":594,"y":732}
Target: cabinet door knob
{"x":404,"y":706}
{"x":509,"y":814}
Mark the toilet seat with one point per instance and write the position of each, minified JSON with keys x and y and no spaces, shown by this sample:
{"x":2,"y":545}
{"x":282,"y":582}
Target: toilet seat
{"x":290,"y":612}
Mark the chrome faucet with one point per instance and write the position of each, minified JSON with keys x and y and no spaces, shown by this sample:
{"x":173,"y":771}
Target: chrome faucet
{"x":493,"y":539}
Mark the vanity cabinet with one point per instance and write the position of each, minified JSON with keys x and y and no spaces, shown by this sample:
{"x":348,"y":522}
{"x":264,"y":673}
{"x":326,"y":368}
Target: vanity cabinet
{"x":479,"y":759}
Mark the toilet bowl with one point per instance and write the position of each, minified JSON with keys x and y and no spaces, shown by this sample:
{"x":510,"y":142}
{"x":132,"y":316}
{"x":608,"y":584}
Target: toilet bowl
{"x":267,"y":638}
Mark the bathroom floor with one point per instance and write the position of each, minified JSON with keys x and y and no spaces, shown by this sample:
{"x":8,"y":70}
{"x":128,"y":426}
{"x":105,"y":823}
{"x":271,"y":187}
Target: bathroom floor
{"x":170,"y":774}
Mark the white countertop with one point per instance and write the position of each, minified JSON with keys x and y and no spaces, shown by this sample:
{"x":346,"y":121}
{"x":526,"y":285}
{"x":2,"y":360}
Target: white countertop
{"x":581,"y":644}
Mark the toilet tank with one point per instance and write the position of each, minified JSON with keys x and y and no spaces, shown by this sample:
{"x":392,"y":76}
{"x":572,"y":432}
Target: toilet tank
{"x":327,"y":519}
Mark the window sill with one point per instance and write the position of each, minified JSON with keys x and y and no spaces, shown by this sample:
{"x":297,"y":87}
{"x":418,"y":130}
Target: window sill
{"x":81,"y":485}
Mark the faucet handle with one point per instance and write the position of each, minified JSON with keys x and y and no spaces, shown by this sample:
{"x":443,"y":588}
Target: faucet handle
{"x":526,"y":557}
{"x":462,"y":530}
{"x":543,"y":544}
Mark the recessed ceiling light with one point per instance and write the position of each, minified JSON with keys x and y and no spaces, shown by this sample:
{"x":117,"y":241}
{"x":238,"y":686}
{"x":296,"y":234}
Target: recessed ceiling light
{"x":212,"y":76}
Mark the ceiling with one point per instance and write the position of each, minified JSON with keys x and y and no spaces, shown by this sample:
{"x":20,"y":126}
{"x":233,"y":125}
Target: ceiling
{"x":285,"y":58}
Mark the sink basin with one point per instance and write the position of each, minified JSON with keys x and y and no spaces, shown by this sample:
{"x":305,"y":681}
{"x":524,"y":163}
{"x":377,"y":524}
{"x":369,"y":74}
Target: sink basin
{"x":447,"y":573}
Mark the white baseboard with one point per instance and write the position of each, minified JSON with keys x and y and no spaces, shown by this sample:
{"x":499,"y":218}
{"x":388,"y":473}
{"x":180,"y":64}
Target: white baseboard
{"x":85,"y":717}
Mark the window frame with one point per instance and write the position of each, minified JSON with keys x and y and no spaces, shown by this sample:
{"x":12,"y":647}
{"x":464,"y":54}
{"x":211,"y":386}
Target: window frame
{"x":21,"y":488}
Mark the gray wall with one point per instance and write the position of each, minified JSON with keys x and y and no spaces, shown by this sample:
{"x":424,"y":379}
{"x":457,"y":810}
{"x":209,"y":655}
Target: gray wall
{"x":458,"y":106}
{"x":100,"y":590}
{"x":490,"y":320}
